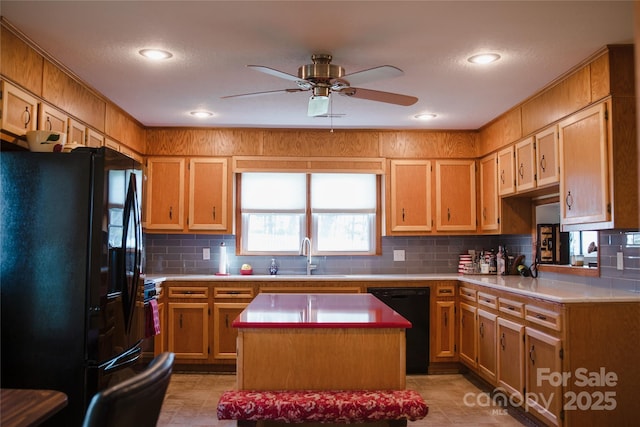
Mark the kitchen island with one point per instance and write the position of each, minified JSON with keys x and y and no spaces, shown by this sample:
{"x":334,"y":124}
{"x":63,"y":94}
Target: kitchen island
{"x":320,"y":341}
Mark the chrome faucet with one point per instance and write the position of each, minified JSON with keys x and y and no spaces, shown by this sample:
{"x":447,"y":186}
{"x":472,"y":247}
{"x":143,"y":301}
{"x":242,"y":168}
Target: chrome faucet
{"x":305,"y":250}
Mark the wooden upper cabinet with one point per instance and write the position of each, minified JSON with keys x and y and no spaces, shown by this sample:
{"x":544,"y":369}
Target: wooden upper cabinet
{"x":584,"y":190}
{"x":94,"y":139}
{"x":19,"y":110}
{"x":410,"y":195}
{"x":50,"y":118}
{"x":455,"y":195}
{"x":208,"y":187}
{"x":525,"y":164}
{"x":77,"y":132}
{"x":547,"y":169}
{"x":489,"y":201}
{"x":165,"y":193}
{"x":506,"y":174}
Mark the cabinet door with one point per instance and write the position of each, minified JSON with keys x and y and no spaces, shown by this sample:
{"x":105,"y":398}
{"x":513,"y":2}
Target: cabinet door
{"x":224,"y":335}
{"x":525,"y":165}
{"x":77,"y":132}
{"x":165,"y":193}
{"x":468,"y":334}
{"x":208,"y":194}
{"x":50,"y":118}
{"x":547,"y":169}
{"x":188,"y":329}
{"x":19,"y":110}
{"x":544,"y":396}
{"x":456,"y":195}
{"x":410,"y":195}
{"x":489,"y":211}
{"x":444,"y":344}
{"x":510,"y":369}
{"x":584,"y":189}
{"x":506,"y":174}
{"x":487,"y":345}
{"x":94,"y":139}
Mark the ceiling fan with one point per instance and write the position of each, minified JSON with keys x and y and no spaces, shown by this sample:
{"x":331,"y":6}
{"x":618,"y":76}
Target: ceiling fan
{"x":323,"y":78}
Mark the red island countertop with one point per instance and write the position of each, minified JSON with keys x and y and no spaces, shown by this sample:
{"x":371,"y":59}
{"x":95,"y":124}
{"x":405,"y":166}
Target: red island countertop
{"x":319,"y":311}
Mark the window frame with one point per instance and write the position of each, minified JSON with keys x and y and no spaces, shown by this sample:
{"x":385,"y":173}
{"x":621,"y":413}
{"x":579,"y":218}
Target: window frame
{"x":308,"y":221}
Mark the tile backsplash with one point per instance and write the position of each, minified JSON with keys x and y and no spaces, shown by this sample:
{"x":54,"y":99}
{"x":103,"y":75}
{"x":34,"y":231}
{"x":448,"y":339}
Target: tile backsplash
{"x":183,"y":254}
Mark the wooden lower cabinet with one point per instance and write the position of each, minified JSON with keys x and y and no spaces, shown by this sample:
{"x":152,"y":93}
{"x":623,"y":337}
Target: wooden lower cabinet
{"x":468,"y":349}
{"x":225,"y":335}
{"x":510,"y":361}
{"x":543,"y":396}
{"x":486,"y":329}
{"x":188,"y":329}
{"x":444,"y":329}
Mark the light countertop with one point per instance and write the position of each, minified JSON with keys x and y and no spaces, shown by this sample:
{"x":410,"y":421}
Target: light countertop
{"x":552,"y":290}
{"x":319,"y":311}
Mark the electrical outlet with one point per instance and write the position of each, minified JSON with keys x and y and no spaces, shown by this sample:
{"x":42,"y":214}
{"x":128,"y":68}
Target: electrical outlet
{"x":206,"y":253}
{"x":398,"y":254}
{"x":620,"y":261}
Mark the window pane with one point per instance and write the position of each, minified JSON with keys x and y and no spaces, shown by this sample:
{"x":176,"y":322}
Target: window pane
{"x":272,"y":232}
{"x":344,"y":232}
{"x":343,"y":192}
{"x":274,"y":192}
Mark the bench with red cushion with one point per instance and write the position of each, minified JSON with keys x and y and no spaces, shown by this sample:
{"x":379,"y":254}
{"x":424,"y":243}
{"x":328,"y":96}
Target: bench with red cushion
{"x":332,"y":406}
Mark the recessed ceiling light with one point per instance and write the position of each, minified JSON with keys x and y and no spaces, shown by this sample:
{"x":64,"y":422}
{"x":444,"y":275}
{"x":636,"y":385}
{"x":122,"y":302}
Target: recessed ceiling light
{"x":484,"y":58}
{"x":426,"y":116}
{"x":155,"y":54}
{"x":201,"y":114}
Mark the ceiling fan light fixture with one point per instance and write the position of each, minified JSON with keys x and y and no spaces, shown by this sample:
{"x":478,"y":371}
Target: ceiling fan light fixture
{"x":484,"y":58}
{"x":201,"y":114}
{"x":155,"y":54}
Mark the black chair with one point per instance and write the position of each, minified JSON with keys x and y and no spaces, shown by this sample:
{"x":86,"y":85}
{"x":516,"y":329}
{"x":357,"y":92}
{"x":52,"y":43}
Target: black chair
{"x":135,"y":402}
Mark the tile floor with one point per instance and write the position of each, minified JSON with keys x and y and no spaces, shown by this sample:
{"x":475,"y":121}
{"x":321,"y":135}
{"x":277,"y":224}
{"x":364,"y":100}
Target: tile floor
{"x":192,"y":398}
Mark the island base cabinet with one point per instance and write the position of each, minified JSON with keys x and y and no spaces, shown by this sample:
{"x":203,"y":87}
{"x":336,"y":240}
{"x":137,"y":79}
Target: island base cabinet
{"x":544,"y":398}
{"x":321,"y":358}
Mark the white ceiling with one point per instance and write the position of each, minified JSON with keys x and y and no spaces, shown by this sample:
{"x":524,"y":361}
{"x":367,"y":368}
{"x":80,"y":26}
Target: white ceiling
{"x":213,"y":41}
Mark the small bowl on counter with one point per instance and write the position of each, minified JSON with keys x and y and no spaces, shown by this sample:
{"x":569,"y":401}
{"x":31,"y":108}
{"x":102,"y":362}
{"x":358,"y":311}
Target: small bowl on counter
{"x":46,"y":141}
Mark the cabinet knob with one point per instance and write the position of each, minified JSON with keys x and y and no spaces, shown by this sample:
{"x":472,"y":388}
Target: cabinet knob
{"x":502,"y":176}
{"x":448,"y":214}
{"x":170,"y":212}
{"x":521,"y":170}
{"x":214,"y":212}
{"x":402,"y":214}
{"x":502,"y":340}
{"x":482,"y":329}
{"x":543,"y":164}
{"x":48,"y":124}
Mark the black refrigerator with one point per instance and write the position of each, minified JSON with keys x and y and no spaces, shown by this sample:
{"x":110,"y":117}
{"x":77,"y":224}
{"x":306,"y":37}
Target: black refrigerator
{"x":72,"y":308}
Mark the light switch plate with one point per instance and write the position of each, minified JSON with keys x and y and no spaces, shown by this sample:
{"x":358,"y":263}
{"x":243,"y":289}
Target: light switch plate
{"x":620,"y":261}
{"x":398,"y":254}
{"x":206,"y":253}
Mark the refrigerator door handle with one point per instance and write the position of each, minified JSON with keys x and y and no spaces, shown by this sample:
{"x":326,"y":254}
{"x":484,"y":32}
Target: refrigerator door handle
{"x":125,"y":359}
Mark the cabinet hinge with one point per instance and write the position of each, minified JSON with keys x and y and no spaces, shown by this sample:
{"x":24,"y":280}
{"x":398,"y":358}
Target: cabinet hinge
{"x":561,"y":353}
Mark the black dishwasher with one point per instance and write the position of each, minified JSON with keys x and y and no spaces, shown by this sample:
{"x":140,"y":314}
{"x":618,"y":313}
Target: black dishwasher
{"x":413,"y":305}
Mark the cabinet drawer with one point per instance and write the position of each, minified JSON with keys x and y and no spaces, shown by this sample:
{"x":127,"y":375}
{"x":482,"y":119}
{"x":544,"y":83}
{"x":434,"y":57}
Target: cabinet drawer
{"x":513,"y":308}
{"x":189,"y":292}
{"x":232,"y":293}
{"x":468,"y":294}
{"x":488,"y":300}
{"x":542,"y":317}
{"x":448,"y":290}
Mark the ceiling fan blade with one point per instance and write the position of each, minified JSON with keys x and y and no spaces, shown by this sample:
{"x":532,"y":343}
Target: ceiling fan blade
{"x":371,"y":74}
{"x":274,"y":72}
{"x":376,"y":95}
{"x":268,"y":92}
